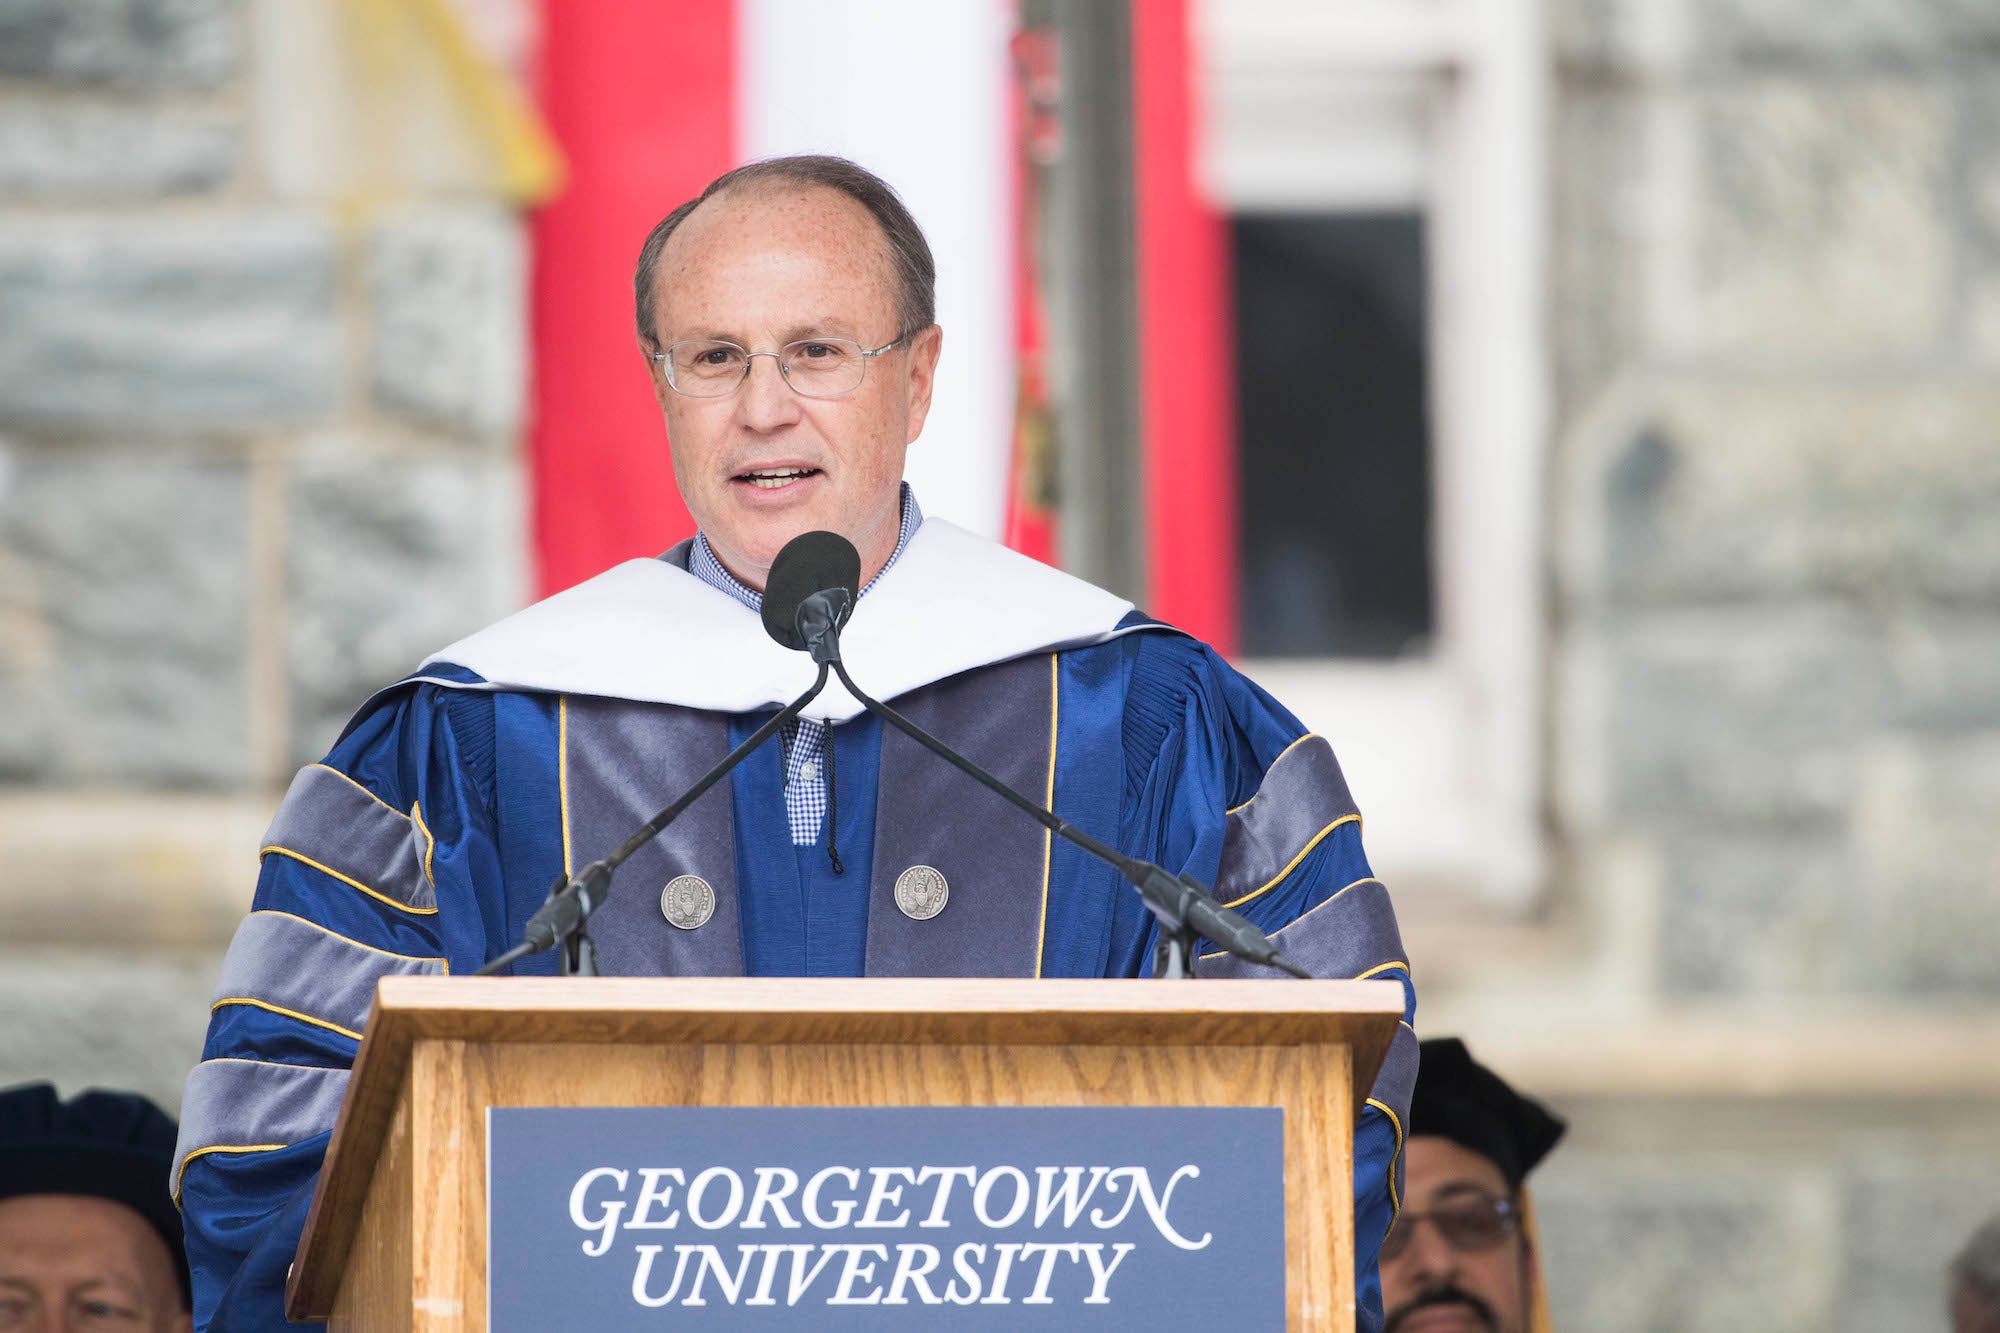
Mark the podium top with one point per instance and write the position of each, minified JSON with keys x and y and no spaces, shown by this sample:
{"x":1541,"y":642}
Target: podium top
{"x":877,"y":1009}
{"x":656,"y":1011}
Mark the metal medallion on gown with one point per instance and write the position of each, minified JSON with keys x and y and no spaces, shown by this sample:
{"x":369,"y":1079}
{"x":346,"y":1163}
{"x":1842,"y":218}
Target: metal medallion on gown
{"x":687,"y":902}
{"x":921,"y":892}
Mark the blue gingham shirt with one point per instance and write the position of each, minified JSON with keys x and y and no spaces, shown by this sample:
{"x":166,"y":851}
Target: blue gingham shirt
{"x":805,"y":741}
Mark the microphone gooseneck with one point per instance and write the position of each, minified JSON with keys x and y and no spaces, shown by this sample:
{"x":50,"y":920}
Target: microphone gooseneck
{"x":812,"y":585}
{"x":812,"y":622}
{"x":1178,"y":901}
{"x":570,"y":902}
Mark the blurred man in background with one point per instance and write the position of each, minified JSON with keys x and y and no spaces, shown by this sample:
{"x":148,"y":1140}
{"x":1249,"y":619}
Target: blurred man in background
{"x":1975,"y":1282}
{"x":89,"y":1238}
{"x":1461,"y":1258}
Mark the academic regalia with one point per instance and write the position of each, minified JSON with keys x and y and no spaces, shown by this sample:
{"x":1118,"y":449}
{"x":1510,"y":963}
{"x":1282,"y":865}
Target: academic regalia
{"x":1458,"y":1098}
{"x":432,"y":831}
{"x":115,"y":1146}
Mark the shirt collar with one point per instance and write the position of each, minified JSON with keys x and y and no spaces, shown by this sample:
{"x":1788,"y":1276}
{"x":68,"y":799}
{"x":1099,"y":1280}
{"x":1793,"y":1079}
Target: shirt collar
{"x":703,"y":564}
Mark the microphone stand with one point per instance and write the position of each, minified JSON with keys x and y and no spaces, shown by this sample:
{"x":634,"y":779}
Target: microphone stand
{"x":563,"y":916}
{"x":1184,"y":909}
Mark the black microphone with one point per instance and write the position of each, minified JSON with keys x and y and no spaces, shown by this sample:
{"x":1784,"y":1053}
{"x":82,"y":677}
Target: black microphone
{"x":812,"y":583}
{"x":811,"y":619}
{"x":811,"y":591}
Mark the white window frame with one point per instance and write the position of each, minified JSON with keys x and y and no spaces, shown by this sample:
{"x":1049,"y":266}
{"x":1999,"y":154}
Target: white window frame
{"x":1445,"y":752}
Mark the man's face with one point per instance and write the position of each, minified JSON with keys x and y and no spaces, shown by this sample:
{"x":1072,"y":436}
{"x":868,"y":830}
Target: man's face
{"x":1432,"y":1285}
{"x":71,"y":1264}
{"x":763,"y":267}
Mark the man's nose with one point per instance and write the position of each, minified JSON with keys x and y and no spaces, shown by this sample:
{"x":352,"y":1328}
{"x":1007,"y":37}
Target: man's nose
{"x":1431,"y":1257}
{"x":766,"y":402}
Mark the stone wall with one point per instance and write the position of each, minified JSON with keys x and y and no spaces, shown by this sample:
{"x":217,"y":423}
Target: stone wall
{"x":1775,"y":697}
{"x":258,"y":454}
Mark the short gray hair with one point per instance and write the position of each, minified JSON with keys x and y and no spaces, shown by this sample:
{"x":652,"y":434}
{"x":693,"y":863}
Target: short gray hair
{"x":909,"y":252}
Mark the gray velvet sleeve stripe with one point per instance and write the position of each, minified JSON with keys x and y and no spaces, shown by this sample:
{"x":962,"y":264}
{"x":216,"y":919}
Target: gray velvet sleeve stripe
{"x":1352,"y":934}
{"x":253,"y":1106}
{"x":333,"y":824}
{"x":290,"y":966}
{"x":1395,"y":1084}
{"x":1396,"y":1081}
{"x":1303,"y":798}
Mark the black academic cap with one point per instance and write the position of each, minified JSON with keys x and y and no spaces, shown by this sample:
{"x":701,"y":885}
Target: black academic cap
{"x":109,"y":1145}
{"x":1462,"y":1100}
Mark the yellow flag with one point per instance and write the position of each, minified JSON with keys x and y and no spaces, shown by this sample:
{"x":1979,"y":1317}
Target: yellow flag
{"x":371,"y":103}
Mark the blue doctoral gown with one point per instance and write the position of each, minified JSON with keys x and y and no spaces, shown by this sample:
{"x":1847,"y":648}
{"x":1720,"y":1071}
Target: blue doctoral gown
{"x":432,"y":831}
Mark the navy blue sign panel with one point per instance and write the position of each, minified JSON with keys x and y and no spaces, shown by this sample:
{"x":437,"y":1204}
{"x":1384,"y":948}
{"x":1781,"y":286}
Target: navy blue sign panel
{"x":895,"y":1219}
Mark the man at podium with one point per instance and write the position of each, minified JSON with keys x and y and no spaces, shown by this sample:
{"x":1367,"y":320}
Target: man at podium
{"x":785,"y":318}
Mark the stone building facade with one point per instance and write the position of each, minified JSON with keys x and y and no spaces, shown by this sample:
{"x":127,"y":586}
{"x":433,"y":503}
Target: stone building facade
{"x":258,"y":453}
{"x":1775,"y":539}
{"x":259,"y":450}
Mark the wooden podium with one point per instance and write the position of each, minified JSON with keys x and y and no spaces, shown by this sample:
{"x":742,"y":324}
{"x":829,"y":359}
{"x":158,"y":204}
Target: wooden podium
{"x":397,"y":1234}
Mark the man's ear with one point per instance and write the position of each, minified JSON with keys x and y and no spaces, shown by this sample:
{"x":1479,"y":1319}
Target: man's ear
{"x":924,"y":350}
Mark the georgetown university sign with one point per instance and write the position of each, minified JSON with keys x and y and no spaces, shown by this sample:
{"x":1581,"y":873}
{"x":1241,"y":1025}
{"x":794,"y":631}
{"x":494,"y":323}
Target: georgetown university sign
{"x":893,"y":1219}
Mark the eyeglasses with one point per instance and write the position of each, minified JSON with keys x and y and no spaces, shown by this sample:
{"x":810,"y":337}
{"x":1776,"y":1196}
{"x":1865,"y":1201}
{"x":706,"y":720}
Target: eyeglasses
{"x":814,"y":367}
{"x":1476,"y":1223}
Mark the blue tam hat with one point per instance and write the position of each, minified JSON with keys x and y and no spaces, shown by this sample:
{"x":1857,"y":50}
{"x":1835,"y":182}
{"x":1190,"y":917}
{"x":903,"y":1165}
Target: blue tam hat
{"x":108,"y":1145}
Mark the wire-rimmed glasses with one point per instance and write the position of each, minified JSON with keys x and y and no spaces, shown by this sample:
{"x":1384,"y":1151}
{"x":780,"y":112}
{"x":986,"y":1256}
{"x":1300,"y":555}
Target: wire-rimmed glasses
{"x":814,"y":367}
{"x":1477,"y":1221}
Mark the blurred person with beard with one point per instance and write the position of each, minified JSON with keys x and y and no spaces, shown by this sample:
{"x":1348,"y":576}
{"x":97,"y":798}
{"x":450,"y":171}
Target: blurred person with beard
{"x":88,"y":1236}
{"x":1975,"y":1282}
{"x":1461,"y":1255}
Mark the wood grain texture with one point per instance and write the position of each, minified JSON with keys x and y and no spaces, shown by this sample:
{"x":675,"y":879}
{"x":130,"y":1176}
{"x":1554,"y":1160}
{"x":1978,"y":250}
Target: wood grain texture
{"x":376,"y":1293}
{"x":448,"y":1048}
{"x":360,"y":1133}
{"x":448,"y":1145}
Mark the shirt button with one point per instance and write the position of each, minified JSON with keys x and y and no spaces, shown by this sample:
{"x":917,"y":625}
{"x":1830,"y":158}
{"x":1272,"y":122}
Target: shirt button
{"x":809,"y":771}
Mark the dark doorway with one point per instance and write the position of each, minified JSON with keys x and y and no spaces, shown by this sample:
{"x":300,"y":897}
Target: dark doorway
{"x":1333,"y":428}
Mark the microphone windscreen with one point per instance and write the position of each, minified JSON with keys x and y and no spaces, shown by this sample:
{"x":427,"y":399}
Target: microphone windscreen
{"x":810,"y":562}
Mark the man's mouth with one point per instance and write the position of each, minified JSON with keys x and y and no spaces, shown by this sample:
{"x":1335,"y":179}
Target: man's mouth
{"x":774,"y":478}
{"x":1445,"y":1300}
